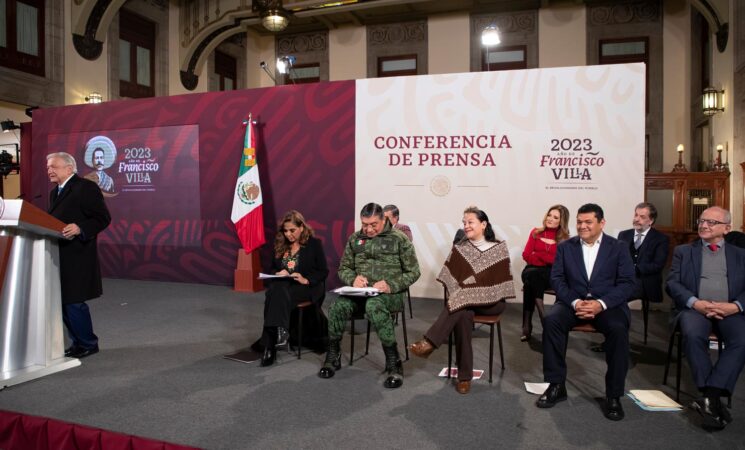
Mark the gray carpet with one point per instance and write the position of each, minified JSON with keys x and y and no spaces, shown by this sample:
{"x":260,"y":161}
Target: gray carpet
{"x":160,"y":374}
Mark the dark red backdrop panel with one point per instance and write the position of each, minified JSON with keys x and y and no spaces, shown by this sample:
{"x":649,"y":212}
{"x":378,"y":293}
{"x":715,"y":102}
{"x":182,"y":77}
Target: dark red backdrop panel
{"x":305,"y":152}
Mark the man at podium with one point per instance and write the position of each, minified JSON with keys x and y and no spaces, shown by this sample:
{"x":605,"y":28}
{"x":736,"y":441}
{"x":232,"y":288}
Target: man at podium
{"x":79,"y":204}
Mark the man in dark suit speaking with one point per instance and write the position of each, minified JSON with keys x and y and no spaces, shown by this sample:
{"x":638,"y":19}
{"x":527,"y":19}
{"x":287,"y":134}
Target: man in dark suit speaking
{"x":79,"y":204}
{"x":649,"y":249}
{"x":706,"y":282}
{"x":593,"y":277}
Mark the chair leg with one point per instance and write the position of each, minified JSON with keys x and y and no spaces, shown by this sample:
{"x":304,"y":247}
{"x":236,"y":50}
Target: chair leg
{"x":499,"y":335}
{"x":645,"y":315}
{"x":406,"y":337}
{"x":669,"y":357}
{"x":729,"y":397}
{"x":411,"y":311}
{"x":491,"y":350}
{"x":450,"y":353}
{"x":367,"y":339}
{"x":299,"y":331}
{"x":351,"y":345}
{"x":680,"y":363}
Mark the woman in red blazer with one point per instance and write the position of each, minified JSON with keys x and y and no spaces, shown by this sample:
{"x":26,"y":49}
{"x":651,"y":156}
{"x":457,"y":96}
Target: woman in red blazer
{"x":539,"y":254}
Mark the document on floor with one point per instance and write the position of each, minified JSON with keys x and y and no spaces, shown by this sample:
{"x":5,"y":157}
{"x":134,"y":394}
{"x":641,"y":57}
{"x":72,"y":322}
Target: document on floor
{"x":266,"y":276}
{"x":245,"y":356}
{"x":653,"y":400}
{"x":477,"y":374}
{"x":357,"y":292}
{"x":536,"y":388}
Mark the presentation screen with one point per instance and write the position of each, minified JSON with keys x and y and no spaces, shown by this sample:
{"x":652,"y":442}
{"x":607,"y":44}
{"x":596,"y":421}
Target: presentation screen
{"x":147,"y":175}
{"x":512,"y":143}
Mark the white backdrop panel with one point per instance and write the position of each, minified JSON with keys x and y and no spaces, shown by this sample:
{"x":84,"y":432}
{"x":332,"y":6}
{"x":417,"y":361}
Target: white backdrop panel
{"x":513,"y":143}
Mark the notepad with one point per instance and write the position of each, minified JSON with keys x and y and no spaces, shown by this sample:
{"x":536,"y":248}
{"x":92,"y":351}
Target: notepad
{"x":266,"y":276}
{"x":477,"y":373}
{"x":357,"y":292}
{"x":653,"y":400}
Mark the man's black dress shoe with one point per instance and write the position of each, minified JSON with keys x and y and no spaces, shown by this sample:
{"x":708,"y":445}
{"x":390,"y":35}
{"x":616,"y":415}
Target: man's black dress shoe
{"x":555,"y":393}
{"x":83,"y":352}
{"x":710,"y":411}
{"x":69,"y":351}
{"x":725,"y":415}
{"x":613,"y":409}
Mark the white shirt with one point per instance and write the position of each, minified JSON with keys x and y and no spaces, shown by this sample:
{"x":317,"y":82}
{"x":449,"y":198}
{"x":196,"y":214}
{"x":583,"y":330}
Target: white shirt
{"x":62,"y":186}
{"x":589,"y":255}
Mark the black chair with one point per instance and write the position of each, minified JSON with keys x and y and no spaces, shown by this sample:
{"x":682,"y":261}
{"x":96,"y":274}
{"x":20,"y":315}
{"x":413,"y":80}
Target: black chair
{"x":676,"y":335}
{"x":301,"y":307}
{"x":359,"y":315}
{"x":645,"y":315}
{"x":582,"y":328}
{"x":483,"y":320}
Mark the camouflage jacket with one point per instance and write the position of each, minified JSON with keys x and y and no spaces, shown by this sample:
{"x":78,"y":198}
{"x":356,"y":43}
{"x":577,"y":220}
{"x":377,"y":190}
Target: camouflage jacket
{"x":389,"y":256}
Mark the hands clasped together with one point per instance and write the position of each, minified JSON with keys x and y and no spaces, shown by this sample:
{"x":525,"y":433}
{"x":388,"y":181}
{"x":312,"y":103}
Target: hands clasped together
{"x":715,"y":310}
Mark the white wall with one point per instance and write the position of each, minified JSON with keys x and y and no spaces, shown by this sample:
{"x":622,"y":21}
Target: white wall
{"x":562,"y":36}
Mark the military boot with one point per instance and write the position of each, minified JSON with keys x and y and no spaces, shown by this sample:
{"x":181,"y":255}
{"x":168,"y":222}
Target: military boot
{"x":333,"y":359}
{"x":393,"y":367}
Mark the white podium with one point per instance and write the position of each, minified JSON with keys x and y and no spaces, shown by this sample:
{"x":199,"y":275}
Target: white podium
{"x":31,"y":337}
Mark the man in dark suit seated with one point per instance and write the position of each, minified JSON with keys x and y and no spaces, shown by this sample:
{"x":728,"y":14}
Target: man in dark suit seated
{"x":707,"y":283}
{"x":593,"y":277}
{"x":649,"y":249}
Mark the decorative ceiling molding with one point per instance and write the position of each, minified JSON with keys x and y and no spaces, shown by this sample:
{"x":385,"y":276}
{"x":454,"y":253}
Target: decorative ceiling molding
{"x":509,"y":22}
{"x":625,"y":13}
{"x":302,"y":43}
{"x":398,"y":33}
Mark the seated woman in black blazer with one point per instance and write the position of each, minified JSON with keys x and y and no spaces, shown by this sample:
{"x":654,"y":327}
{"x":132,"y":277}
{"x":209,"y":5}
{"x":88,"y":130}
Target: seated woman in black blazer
{"x":300,"y":256}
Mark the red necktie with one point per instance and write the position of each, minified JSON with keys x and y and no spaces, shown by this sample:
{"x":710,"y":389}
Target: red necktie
{"x":713,"y":247}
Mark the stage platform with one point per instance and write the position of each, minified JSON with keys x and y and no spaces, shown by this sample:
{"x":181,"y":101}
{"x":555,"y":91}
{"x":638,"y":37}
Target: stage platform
{"x":161,"y":374}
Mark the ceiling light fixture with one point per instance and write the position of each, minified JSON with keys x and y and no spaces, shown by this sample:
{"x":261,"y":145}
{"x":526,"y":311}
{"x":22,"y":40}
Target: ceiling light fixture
{"x":273,"y":17}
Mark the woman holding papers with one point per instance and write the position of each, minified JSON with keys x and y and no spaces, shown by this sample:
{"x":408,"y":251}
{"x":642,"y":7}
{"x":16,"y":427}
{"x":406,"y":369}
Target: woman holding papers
{"x":300,"y":261}
{"x":477,"y":280}
{"x":539,"y":253}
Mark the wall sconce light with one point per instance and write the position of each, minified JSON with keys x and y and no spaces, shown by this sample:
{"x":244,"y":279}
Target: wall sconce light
{"x":680,"y":167}
{"x":717,"y":165}
{"x":94,"y":97}
{"x":490,"y":36}
{"x":8,"y":125}
{"x":713,"y":101}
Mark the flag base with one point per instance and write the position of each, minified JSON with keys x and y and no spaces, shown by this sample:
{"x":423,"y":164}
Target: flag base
{"x":246,"y":274}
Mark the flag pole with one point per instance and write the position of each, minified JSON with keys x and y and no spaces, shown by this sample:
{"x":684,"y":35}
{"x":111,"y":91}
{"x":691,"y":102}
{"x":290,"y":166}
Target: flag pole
{"x":247,"y":201}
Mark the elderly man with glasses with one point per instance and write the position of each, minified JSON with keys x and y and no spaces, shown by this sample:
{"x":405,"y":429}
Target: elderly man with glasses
{"x":707,"y":283}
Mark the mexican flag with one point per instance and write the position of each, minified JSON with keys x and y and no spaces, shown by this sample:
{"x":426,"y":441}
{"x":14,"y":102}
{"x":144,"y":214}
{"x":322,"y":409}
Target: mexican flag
{"x":247,"y":212}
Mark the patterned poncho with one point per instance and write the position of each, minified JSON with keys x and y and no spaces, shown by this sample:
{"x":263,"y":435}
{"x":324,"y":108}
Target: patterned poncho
{"x":477,"y":279}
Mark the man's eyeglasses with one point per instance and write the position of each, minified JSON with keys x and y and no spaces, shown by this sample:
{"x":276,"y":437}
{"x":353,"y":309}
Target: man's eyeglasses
{"x":710,"y":222}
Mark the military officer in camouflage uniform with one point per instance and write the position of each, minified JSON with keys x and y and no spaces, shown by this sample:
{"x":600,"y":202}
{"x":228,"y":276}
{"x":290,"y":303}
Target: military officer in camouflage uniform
{"x":377,"y":256}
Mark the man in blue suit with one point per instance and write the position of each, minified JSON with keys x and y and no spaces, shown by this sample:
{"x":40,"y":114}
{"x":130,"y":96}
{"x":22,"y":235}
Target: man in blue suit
{"x":706,"y":282}
{"x":649,"y":249}
{"x":593,"y":277}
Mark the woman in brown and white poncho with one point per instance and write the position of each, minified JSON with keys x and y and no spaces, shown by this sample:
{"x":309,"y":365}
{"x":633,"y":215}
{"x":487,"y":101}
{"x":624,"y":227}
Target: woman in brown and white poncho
{"x":477,"y":280}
